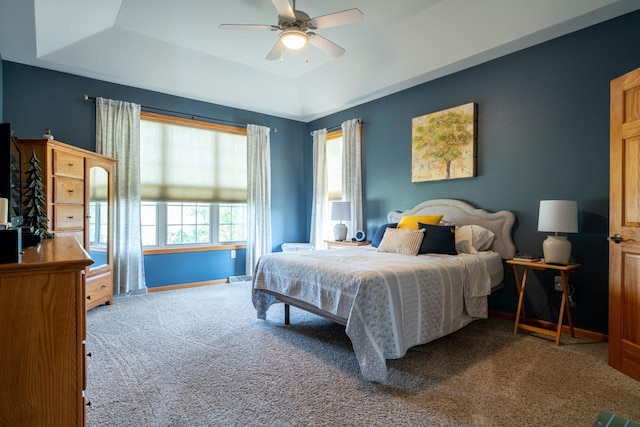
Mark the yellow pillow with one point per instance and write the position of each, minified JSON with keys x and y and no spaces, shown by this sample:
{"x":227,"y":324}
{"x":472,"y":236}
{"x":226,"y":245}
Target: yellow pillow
{"x":411,"y":221}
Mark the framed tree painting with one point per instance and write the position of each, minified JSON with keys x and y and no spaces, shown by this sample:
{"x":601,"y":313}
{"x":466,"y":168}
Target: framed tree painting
{"x":444,"y":144}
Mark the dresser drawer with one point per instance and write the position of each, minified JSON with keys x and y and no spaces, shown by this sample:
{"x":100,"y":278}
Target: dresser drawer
{"x":68,"y":217}
{"x":67,"y":164}
{"x":68,"y":190}
{"x":98,"y":290}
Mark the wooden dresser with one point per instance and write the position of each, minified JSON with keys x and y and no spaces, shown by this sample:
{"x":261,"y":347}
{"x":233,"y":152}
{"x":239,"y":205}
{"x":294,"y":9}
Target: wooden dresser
{"x":78,"y":182}
{"x":42,"y":336}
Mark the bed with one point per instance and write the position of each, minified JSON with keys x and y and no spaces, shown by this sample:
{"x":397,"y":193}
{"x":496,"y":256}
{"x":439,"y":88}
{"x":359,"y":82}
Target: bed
{"x":390,"y":302}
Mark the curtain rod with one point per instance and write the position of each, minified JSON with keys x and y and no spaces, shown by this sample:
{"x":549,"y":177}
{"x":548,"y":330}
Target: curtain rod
{"x":336,"y":127}
{"x":193,"y":116}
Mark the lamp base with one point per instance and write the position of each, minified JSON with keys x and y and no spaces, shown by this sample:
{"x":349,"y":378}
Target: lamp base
{"x":556,"y":250}
{"x":340,"y":232}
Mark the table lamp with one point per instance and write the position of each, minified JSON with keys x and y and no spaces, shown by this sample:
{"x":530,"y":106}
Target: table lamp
{"x":340,"y":211}
{"x":557,"y":216}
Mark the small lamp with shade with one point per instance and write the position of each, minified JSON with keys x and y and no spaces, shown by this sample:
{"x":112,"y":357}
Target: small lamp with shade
{"x":340,"y":211}
{"x":557,"y":216}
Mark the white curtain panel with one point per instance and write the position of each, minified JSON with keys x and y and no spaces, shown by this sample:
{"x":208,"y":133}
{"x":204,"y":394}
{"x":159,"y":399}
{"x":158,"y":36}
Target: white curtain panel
{"x":352,"y":174}
{"x":320,"y":205}
{"x":258,"y":195}
{"x":118,"y":136}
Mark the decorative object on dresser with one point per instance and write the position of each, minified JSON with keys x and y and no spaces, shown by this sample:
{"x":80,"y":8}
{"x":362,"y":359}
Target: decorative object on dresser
{"x":10,"y":245}
{"x":557,"y":216}
{"x":42,"y":339}
{"x":34,"y":200}
{"x":78,"y":197}
{"x":340,"y":211}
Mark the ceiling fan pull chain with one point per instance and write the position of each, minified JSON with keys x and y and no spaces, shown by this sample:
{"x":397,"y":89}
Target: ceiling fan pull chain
{"x":306,"y":59}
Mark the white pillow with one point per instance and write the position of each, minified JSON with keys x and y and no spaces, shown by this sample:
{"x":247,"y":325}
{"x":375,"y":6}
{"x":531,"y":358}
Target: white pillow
{"x":473,"y":238}
{"x":404,"y":241}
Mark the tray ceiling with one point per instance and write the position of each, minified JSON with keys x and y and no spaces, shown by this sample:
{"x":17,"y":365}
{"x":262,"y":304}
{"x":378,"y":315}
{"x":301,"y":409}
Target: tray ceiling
{"x":177,"y":48}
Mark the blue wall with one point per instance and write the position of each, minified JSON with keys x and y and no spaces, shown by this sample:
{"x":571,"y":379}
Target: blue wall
{"x":190,"y":267}
{"x":543,"y":133}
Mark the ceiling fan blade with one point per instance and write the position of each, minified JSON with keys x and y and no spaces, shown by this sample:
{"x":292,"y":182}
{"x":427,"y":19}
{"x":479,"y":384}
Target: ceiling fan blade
{"x":323,"y":44}
{"x":275,"y":52}
{"x":284,"y":9}
{"x":349,"y":16}
{"x":247,"y":27}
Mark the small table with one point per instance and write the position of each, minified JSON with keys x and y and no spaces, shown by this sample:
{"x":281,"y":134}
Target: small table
{"x":344,"y":243}
{"x":521,"y":285}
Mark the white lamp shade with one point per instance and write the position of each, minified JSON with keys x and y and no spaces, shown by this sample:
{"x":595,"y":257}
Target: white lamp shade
{"x":558,"y":216}
{"x":341,"y":211}
{"x":294,"y":39}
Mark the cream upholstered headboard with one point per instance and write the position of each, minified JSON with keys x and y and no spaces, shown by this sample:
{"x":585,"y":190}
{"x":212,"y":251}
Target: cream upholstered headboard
{"x":462,"y":213}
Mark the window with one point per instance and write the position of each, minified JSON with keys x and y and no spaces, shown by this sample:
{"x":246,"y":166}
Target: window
{"x":167,"y":224}
{"x":193,"y":182}
{"x":98,"y":226}
{"x":232,"y":223}
{"x":188,"y":223}
{"x":334,"y":165}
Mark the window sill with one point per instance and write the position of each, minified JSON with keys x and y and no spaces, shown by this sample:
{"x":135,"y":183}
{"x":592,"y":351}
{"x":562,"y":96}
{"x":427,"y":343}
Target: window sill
{"x":199,"y":248}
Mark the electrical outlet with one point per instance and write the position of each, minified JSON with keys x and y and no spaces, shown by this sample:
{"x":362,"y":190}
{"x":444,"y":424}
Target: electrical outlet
{"x":557,"y":283}
{"x":233,"y":254}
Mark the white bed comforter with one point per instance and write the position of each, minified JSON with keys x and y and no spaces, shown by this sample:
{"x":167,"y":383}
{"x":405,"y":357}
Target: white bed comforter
{"x":392,"y":302}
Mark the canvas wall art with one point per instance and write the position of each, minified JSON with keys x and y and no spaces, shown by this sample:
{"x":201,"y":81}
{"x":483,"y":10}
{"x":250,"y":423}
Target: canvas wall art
{"x":444,"y":144}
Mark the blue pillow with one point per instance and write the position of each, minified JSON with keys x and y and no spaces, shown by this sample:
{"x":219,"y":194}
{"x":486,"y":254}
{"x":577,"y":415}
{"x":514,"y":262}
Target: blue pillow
{"x":375,"y":242}
{"x":438,"y":239}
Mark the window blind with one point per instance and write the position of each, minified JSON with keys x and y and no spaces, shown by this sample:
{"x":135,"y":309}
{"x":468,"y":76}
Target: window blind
{"x":334,"y":166}
{"x":192,"y":162}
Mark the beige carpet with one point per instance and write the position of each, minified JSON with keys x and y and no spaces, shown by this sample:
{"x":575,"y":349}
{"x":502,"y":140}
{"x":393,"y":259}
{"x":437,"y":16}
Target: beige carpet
{"x":199,"y":357}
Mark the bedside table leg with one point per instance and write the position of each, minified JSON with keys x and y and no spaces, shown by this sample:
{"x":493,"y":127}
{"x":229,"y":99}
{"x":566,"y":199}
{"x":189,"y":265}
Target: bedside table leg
{"x":565,"y":291}
{"x":563,"y":304}
{"x":560,"y":317}
{"x":521,"y":286}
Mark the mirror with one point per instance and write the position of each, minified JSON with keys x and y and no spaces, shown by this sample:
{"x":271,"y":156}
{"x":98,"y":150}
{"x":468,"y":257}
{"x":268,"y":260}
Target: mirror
{"x":98,"y":216}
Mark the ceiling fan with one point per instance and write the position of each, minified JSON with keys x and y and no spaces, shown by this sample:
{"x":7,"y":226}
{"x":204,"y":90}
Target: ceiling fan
{"x":296,"y":28}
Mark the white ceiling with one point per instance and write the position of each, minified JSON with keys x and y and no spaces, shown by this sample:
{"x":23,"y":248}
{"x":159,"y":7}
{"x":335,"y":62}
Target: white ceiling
{"x":176,"y":47}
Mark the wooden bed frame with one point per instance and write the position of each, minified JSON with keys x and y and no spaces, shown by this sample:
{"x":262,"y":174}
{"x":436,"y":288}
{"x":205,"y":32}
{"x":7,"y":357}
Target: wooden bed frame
{"x":455,"y":212}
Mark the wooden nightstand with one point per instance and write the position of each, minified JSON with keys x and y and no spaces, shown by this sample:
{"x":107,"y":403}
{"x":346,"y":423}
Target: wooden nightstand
{"x":521,"y":285}
{"x":344,"y":243}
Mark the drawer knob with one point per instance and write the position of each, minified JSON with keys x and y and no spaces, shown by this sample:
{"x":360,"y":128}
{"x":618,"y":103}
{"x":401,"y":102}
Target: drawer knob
{"x":88,"y":297}
{"x":70,"y":164}
{"x":70,"y":217}
{"x":71,"y":191}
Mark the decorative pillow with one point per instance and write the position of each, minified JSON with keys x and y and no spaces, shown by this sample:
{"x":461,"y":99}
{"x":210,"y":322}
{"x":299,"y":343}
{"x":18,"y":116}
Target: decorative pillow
{"x":401,"y":241}
{"x":375,"y":242}
{"x":411,"y":221}
{"x":438,"y":239}
{"x":473,"y":238}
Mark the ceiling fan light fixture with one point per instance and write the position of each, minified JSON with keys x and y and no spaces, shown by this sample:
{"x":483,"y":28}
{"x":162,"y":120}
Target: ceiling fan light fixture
{"x":294,"y":39}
